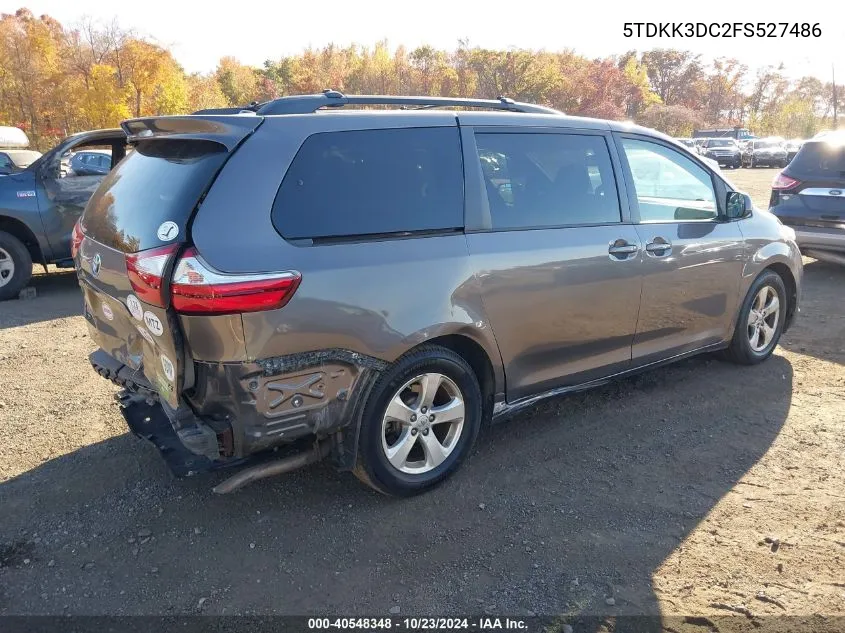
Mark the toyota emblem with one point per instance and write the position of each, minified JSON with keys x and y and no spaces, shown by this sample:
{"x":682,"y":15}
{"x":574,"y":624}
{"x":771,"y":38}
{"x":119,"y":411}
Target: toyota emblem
{"x":95,"y":264}
{"x":836,"y":192}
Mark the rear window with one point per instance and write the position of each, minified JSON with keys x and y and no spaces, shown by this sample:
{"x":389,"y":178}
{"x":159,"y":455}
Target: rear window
{"x":372,"y":182}
{"x":819,"y":159}
{"x":161,"y":181}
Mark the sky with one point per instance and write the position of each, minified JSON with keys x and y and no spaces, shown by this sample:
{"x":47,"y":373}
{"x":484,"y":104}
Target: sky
{"x":199,"y":33}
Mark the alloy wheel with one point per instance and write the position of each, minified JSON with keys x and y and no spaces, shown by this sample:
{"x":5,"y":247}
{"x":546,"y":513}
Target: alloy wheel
{"x":7,"y":267}
{"x":423,"y":423}
{"x":763,"y":318}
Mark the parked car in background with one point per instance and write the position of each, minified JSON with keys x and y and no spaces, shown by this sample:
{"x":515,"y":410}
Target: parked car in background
{"x":690,"y":147}
{"x":91,"y":162}
{"x":809,"y":196}
{"x":347,"y":299}
{"x":686,"y":142}
{"x":711,"y":163}
{"x":698,"y":143}
{"x":39,"y":206}
{"x":792,"y":147}
{"x":766,"y":152}
{"x":724,"y":151}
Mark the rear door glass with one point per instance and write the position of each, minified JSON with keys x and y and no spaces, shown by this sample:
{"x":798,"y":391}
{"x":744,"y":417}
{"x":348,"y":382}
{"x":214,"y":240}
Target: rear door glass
{"x":372,"y":182}
{"x":819,"y":160}
{"x":160,"y":182}
{"x":545,"y":180}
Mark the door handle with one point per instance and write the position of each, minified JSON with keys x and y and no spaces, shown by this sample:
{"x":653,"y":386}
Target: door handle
{"x":621,"y":250}
{"x":658,"y":247}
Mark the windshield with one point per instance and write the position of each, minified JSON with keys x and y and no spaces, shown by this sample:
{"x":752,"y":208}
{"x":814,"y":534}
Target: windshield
{"x":721,"y":143}
{"x":766,"y":145}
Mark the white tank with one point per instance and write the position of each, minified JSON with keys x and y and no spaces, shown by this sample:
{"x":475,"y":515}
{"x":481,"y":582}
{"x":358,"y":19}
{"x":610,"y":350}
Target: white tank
{"x":13,"y":138}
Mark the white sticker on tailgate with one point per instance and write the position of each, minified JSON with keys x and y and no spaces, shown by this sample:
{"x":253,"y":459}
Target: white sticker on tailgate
{"x":134,"y":305}
{"x":167,"y":366}
{"x":168,"y":231}
{"x":153,"y":324}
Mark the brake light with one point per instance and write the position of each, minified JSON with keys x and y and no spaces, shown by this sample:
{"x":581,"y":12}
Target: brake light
{"x":146,"y":271}
{"x":76,"y":238}
{"x":198,"y":289}
{"x":784,"y":182}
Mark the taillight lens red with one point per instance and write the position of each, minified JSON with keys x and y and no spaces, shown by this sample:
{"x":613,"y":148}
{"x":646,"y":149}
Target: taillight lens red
{"x":76,"y":238}
{"x":146,"y":271}
{"x":198,"y":289}
{"x":783,"y":182}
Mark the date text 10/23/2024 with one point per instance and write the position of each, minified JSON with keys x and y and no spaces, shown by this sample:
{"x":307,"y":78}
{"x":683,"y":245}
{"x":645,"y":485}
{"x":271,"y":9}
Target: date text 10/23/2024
{"x":485,"y":623}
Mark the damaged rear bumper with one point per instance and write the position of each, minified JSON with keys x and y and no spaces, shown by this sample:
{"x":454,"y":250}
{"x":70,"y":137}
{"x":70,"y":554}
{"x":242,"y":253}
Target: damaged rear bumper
{"x":237,"y":412}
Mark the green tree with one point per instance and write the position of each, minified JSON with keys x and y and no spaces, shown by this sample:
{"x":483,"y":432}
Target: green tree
{"x":238,"y":83}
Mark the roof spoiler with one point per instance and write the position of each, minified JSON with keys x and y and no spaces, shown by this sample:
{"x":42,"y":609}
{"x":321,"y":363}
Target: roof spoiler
{"x":224,"y":129}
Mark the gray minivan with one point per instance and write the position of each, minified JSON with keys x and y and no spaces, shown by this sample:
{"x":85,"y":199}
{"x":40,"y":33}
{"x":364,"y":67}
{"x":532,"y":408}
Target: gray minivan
{"x":299,"y":279}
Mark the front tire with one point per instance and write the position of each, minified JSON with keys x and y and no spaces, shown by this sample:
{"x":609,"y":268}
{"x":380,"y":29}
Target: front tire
{"x":420,"y":422}
{"x":15,"y":266}
{"x":760,"y":322}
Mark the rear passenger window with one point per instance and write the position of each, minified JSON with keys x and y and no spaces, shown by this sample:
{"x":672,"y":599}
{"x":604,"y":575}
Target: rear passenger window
{"x":372,"y":182}
{"x":543,"y":180}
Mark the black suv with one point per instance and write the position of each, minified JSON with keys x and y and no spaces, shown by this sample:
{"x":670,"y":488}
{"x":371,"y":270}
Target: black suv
{"x":809,"y":196}
{"x":724,"y":151}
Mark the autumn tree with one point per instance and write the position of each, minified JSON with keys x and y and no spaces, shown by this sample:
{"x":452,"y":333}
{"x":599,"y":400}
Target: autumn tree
{"x":55,"y":80}
{"x":675,"y":120}
{"x":675,"y":76}
{"x":204,"y":92}
{"x":238,"y":83}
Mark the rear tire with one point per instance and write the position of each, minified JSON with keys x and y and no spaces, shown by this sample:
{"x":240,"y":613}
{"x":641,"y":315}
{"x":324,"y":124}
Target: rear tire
{"x":760,"y":321}
{"x":15,"y":266}
{"x":402,"y":451}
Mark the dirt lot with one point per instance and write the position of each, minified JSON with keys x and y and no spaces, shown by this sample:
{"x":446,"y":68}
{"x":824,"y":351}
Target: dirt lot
{"x":682,"y":491}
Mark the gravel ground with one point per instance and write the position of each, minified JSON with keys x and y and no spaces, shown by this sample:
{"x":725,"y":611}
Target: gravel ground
{"x":693,"y":489}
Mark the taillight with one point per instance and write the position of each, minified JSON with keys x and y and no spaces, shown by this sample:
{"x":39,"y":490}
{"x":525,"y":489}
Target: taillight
{"x":197,"y":289}
{"x":784,"y":182}
{"x":146,"y":271}
{"x":76,"y":238}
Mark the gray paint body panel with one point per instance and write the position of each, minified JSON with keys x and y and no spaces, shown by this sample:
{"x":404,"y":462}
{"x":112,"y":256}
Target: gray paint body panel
{"x":550,"y":308}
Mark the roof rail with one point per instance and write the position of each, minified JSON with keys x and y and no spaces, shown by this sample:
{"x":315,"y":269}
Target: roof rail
{"x":306,"y":104}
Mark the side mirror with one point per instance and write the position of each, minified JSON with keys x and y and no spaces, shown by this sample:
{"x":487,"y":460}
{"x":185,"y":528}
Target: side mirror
{"x":738,"y":205}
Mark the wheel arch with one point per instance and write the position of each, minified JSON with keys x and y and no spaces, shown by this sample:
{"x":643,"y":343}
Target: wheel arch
{"x":21,"y":231}
{"x":478,"y":358}
{"x":791,"y":286}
